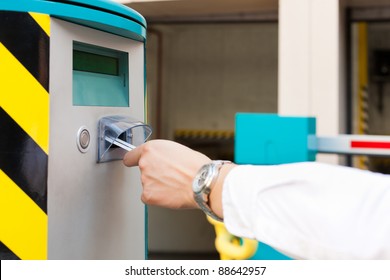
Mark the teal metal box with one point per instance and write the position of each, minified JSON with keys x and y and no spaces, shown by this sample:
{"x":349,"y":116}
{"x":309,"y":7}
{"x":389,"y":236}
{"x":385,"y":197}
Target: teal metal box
{"x":272,"y":139}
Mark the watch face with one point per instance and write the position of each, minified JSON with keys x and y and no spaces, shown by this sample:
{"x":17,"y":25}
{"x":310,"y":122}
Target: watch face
{"x":201,"y":178}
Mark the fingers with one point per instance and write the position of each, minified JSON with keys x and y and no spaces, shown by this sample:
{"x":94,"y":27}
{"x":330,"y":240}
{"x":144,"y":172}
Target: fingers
{"x":132,"y":157}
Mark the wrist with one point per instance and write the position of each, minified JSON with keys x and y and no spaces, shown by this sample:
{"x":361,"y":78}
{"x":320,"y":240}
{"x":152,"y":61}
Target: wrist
{"x":215,"y":197}
{"x":203,"y":183}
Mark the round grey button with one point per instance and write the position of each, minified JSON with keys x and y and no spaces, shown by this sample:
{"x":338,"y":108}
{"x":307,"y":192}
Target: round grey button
{"x":83,"y":139}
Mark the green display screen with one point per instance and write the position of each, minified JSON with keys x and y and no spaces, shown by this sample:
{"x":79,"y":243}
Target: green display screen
{"x":100,"y":76}
{"x":95,"y":63}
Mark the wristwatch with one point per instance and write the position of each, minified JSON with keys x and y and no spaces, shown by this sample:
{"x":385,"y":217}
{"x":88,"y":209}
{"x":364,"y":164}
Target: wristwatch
{"x":203,"y":183}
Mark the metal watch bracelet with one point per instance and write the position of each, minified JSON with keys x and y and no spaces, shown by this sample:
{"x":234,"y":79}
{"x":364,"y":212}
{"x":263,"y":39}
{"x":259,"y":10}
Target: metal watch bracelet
{"x":203,"y":184}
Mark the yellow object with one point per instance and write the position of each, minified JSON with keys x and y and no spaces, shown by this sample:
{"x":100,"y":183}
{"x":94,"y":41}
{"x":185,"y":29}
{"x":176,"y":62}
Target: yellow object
{"x":23,"y":225}
{"x":204,"y":133}
{"x":24,"y":117}
{"x":231,"y":247}
{"x":24,"y":99}
{"x":362,"y":88}
{"x":43,"y":21}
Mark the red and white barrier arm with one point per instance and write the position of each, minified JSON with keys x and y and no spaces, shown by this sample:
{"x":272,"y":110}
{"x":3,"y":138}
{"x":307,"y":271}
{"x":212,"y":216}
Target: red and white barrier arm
{"x":378,"y":145}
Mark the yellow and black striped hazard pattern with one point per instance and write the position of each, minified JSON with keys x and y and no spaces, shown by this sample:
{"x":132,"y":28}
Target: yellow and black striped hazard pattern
{"x":24,"y":124}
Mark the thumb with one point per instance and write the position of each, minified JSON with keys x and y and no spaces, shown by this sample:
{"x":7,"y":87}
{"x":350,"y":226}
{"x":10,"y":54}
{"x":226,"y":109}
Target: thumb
{"x":132,"y":157}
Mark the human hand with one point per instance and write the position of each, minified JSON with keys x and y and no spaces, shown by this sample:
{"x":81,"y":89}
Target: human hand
{"x":167,"y":170}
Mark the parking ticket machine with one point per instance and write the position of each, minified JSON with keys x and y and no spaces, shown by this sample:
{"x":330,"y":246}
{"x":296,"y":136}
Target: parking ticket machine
{"x":72,"y":98}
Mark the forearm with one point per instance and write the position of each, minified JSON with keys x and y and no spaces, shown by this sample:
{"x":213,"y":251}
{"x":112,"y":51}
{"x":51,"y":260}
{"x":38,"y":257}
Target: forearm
{"x":309,"y":210}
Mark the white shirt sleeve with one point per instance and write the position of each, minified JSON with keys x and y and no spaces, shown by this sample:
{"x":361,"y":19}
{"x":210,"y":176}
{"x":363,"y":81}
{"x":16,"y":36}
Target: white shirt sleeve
{"x":310,"y":210}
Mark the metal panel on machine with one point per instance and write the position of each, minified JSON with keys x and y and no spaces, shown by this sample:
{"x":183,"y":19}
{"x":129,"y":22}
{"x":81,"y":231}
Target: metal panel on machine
{"x":58,"y":198}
